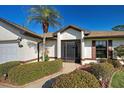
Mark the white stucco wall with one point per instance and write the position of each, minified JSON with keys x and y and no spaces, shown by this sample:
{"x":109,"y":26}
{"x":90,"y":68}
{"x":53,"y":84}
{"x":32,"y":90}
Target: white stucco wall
{"x":70,"y":34}
{"x":28,"y":51}
{"x":6,"y":35}
{"x":88,"y":62}
{"x":88,"y":48}
{"x":88,"y":52}
{"x":52,"y":48}
{"x":11,"y":51}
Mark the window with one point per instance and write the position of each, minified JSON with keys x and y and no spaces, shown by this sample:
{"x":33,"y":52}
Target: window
{"x":101,"y":49}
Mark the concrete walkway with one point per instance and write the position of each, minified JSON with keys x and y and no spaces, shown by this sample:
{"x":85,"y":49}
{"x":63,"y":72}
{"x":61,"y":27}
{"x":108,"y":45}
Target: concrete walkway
{"x":46,"y":82}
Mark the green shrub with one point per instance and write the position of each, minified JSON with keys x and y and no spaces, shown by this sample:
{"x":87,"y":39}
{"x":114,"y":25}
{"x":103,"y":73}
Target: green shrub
{"x":1,"y":70}
{"x":92,"y":63}
{"x":115,"y":63}
{"x":59,"y":60}
{"x":119,"y":51}
{"x":26,"y":73}
{"x":46,"y":58}
{"x":5,"y":67}
{"x":102,"y":70}
{"x":110,"y":60}
{"x":102,"y":60}
{"x":76,"y":79}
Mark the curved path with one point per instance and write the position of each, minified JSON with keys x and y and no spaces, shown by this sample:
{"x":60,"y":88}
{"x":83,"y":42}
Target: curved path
{"x":67,"y":67}
{"x":45,"y":82}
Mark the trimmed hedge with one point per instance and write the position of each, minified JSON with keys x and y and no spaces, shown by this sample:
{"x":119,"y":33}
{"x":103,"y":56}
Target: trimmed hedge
{"x":102,"y":60}
{"x":76,"y":79}
{"x":102,"y":70}
{"x":115,"y":63}
{"x":26,"y":73}
{"x":5,"y":67}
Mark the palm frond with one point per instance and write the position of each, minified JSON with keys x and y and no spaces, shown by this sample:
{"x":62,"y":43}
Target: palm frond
{"x":43,"y":13}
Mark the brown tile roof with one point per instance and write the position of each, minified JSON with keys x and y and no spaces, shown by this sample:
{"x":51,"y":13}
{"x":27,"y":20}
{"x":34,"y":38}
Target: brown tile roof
{"x":104,"y":34}
{"x":48,"y":35}
{"x":24,"y":30}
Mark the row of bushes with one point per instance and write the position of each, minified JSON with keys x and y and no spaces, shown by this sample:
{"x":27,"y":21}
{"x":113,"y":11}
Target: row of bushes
{"x":99,"y":75}
{"x":5,"y":67}
{"x":26,"y":73}
{"x":114,"y":62}
{"x":80,"y":78}
{"x":76,"y":79}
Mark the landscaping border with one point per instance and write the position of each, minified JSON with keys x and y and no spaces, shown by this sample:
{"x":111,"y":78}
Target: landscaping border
{"x":109,"y":86}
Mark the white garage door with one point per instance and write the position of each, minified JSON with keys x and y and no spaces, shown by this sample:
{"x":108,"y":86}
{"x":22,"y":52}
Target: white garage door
{"x":8,"y":52}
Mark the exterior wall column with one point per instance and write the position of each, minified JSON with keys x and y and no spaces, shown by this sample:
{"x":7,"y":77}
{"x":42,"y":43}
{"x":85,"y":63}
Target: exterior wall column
{"x":58,"y":45}
{"x":94,"y":49}
{"x":110,"y":52}
{"x":82,"y":46}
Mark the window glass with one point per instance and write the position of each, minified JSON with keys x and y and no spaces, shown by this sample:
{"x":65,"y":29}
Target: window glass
{"x":101,"y":49}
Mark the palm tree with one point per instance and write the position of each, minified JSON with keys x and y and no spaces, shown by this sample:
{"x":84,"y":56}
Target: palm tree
{"x":46,"y":16}
{"x":118,"y":28}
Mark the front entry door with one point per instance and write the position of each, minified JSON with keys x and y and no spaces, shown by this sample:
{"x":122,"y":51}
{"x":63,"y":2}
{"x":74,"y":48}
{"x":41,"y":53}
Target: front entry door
{"x":71,"y":51}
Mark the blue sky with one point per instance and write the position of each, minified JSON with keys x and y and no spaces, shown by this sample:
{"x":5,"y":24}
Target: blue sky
{"x":87,"y":17}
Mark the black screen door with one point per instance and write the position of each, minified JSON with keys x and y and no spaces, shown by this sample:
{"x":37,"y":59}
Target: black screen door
{"x":71,"y":50}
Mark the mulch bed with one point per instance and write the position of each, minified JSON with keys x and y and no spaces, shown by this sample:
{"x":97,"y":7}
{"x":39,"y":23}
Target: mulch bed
{"x":85,"y":67}
{"x":2,"y":79}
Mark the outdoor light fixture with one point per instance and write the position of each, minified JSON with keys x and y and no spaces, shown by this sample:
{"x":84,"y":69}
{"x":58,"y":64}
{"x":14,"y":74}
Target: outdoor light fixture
{"x":5,"y":76}
{"x":18,"y":41}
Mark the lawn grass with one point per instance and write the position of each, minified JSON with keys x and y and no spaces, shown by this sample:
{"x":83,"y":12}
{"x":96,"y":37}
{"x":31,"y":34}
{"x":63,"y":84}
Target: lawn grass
{"x":118,"y":80}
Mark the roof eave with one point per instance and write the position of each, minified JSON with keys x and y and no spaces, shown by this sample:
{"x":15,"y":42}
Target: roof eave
{"x":104,"y":37}
{"x":23,"y":30}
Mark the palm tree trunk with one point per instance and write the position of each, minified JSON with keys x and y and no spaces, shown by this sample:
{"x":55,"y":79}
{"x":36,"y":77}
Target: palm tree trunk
{"x":45,"y":29}
{"x":44,"y":41}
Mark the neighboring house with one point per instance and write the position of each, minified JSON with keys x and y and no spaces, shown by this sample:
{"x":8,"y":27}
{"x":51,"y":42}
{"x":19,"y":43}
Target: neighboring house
{"x":70,"y":43}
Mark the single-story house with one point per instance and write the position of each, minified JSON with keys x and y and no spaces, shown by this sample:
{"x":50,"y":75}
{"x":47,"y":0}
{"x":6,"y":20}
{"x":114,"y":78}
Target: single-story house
{"x":70,"y":43}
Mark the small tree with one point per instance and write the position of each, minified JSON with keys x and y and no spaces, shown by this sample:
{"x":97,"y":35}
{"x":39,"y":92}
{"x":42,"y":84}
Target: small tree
{"x":118,"y":28}
{"x":119,"y":51}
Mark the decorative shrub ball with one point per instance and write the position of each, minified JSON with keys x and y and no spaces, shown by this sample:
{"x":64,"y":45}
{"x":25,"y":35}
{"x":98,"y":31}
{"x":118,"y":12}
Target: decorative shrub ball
{"x":102,"y":70}
{"x":76,"y":79}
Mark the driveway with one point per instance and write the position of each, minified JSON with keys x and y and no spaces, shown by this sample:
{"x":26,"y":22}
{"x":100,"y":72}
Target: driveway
{"x":46,"y":81}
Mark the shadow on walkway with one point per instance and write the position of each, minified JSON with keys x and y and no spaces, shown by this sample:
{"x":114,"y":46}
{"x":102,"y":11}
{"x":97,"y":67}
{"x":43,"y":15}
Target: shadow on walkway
{"x":48,"y":84}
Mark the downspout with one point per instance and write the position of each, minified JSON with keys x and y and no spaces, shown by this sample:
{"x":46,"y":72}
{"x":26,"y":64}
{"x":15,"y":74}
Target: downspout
{"x":38,"y":51}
